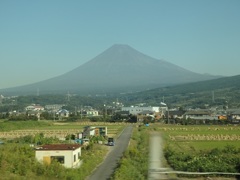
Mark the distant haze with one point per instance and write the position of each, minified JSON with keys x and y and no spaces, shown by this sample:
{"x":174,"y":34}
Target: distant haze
{"x":120,"y":68}
{"x":44,"y":39}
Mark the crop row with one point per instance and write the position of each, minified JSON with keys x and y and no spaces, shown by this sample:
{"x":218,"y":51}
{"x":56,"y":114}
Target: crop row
{"x":215,"y":137}
{"x":200,"y":129}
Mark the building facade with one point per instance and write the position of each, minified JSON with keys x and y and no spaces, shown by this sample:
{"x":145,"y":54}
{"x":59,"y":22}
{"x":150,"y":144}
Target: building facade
{"x":66,"y":154}
{"x":134,"y":110}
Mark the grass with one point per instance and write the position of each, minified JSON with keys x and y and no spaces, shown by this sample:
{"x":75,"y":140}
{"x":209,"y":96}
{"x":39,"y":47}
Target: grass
{"x":50,"y":128}
{"x":92,"y":156}
{"x":187,"y":138}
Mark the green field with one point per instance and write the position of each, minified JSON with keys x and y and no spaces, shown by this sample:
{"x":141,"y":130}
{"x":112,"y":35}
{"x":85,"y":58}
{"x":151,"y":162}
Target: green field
{"x":202,"y":148}
{"x":22,"y":163}
{"x":187,"y":138}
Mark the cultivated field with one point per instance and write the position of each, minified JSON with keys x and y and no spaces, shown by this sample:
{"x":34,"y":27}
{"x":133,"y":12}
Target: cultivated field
{"x":197,"y":149}
{"x":200,"y":137}
{"x":59,"y":129}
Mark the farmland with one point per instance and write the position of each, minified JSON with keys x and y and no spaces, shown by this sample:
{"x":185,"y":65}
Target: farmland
{"x":22,"y":163}
{"x":200,"y":137}
{"x":12,"y":130}
{"x":186,"y":148}
{"x":202,"y":148}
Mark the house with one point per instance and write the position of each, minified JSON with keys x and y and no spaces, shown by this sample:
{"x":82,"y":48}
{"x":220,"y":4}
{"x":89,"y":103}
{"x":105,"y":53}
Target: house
{"x":91,"y":113}
{"x":54,"y":107}
{"x":34,"y":114}
{"x":144,"y":114}
{"x":134,"y":110}
{"x":176,"y":114}
{"x":235,"y":116}
{"x":34,"y":107}
{"x":200,"y":115}
{"x":63,"y":113}
{"x":66,"y":154}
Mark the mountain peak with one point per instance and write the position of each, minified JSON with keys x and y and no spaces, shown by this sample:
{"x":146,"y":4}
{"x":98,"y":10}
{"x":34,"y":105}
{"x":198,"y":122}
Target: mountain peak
{"x":124,"y":48}
{"x":119,"y":68}
{"x":120,"y":46}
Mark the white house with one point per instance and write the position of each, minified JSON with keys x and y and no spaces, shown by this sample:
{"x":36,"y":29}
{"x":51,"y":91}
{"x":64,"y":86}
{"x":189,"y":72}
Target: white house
{"x":236,"y":115}
{"x":63,"y":113}
{"x":66,"y":154}
{"x":134,"y":110}
{"x":92,"y":113}
{"x":34,"y":108}
{"x":54,"y":106}
{"x":200,"y":115}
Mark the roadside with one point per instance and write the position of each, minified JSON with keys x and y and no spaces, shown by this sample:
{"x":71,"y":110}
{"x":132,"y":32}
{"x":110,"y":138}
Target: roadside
{"x":107,"y":167}
{"x":156,"y":158}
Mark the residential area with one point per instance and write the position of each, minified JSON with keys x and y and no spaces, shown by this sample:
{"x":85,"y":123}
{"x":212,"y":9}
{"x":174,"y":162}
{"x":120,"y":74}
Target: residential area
{"x":71,"y":136}
{"x":118,"y":112}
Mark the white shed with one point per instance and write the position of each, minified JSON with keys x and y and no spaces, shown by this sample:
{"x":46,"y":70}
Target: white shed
{"x":66,"y":154}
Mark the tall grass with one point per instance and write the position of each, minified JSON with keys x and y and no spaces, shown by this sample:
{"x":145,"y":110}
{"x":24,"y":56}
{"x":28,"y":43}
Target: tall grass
{"x":134,"y":163}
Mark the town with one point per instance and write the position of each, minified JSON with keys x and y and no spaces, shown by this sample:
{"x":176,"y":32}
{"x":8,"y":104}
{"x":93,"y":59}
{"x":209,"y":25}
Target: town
{"x":118,"y":112}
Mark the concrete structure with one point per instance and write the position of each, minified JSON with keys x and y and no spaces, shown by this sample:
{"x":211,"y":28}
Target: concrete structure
{"x":94,"y":131}
{"x":236,"y":115}
{"x":91,"y":113}
{"x":200,"y":115}
{"x":54,"y":106}
{"x":66,"y":154}
{"x":34,"y":108}
{"x":63,"y":113}
{"x":134,"y":110}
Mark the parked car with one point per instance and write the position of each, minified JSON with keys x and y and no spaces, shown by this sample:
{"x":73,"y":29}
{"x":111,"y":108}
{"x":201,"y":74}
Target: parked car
{"x":111,"y":142}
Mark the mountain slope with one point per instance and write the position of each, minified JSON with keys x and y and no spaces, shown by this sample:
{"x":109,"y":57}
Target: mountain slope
{"x":226,"y":92}
{"x":119,"y":68}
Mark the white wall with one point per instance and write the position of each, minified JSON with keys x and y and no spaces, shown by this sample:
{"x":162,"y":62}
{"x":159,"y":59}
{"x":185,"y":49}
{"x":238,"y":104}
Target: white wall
{"x":136,"y":110}
{"x":68,"y":156}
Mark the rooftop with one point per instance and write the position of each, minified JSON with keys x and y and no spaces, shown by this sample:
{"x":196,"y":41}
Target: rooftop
{"x":58,"y":147}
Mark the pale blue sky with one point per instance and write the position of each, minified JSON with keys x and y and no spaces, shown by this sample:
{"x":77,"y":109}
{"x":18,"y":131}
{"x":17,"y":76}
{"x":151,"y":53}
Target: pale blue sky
{"x":44,"y":39}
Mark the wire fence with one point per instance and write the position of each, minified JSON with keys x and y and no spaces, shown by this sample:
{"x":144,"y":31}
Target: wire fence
{"x":168,"y":171}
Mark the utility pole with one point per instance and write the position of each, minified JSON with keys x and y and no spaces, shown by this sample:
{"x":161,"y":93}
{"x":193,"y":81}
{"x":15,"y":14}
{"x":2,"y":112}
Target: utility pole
{"x":81,"y":111}
{"x":213,"y":98}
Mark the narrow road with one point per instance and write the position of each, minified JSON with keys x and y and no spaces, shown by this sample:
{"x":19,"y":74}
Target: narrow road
{"x":156,"y":157}
{"x":106,"y":169}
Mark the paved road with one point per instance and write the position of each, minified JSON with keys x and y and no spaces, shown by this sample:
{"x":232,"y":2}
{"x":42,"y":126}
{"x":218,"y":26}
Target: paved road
{"x":106,"y":169}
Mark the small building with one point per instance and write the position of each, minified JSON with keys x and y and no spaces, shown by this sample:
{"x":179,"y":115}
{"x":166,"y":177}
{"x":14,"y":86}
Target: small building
{"x":101,"y":131}
{"x":94,"y":131}
{"x":54,"y":107}
{"x":144,"y":114}
{"x":134,"y":110}
{"x":66,"y":154}
{"x":34,"y":114}
{"x":176,"y":114}
{"x":34,"y":108}
{"x":235,"y":116}
{"x":90,"y":113}
{"x":63,"y":113}
{"x":200,"y":115}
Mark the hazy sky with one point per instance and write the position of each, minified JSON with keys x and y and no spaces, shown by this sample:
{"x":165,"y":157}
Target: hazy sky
{"x":47,"y":38}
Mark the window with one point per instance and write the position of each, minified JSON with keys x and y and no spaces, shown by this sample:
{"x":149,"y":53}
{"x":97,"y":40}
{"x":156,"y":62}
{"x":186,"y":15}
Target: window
{"x":59,"y":159}
{"x":74,"y":158}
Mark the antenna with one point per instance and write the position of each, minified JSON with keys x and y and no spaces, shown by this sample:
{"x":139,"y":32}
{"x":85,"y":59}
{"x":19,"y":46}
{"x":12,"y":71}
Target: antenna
{"x":68,"y":96}
{"x":1,"y":97}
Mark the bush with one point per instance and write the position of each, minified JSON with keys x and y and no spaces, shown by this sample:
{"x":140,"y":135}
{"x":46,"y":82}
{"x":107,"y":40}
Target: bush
{"x":215,"y":160}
